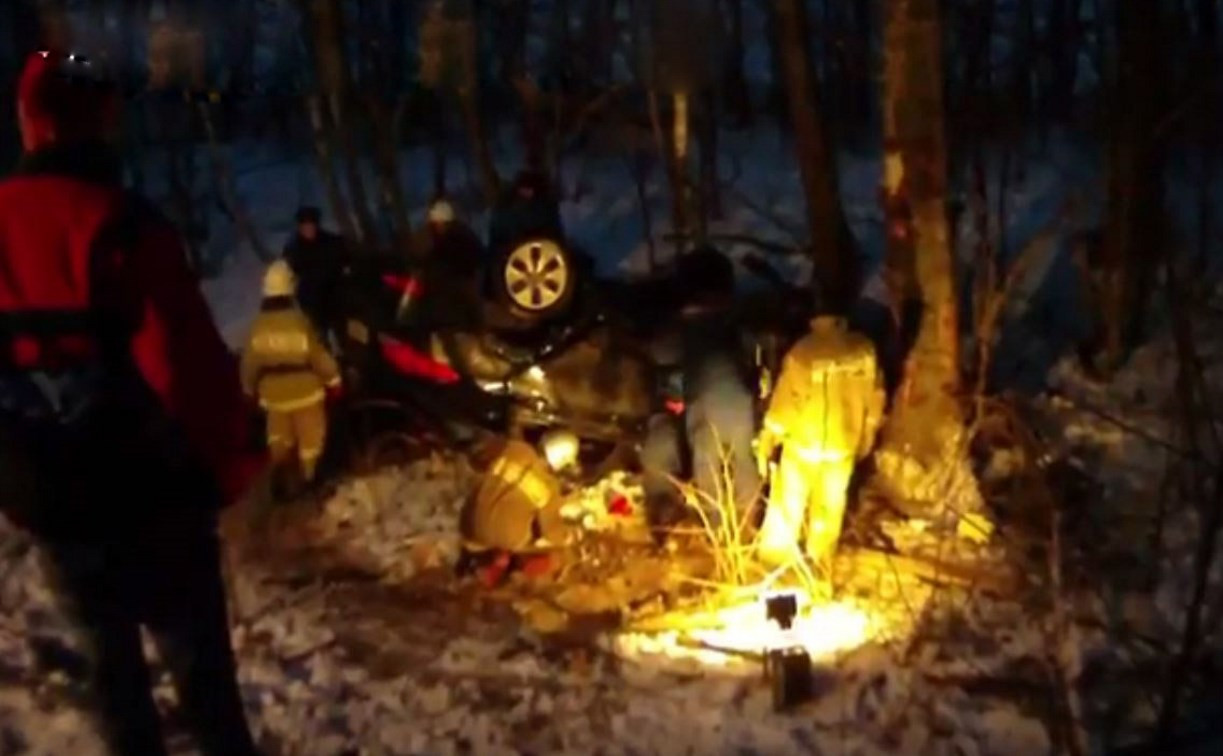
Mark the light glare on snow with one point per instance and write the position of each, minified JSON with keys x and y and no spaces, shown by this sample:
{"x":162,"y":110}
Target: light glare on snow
{"x":824,"y":629}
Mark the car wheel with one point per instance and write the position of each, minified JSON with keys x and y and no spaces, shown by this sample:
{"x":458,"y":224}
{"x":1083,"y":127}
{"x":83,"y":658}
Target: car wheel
{"x":537,"y":280}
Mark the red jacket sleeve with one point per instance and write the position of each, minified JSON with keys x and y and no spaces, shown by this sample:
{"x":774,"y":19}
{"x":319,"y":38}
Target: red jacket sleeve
{"x":182,"y":357}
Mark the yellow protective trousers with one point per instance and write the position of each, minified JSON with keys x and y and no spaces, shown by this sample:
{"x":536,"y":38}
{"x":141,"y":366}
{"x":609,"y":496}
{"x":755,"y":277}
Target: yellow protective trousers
{"x":302,"y":430}
{"x":806,"y":506}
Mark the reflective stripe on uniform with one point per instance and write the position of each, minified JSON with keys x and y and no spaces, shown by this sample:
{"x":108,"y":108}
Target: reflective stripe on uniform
{"x":817,"y":454}
{"x":315,"y":397}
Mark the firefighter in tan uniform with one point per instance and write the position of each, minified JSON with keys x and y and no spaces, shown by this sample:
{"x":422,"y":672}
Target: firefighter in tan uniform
{"x":824,"y":414}
{"x":287,"y":367}
{"x":518,"y":502}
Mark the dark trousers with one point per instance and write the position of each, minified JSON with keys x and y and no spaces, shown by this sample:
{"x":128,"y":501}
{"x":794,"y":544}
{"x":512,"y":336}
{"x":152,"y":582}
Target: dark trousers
{"x":166,"y":577}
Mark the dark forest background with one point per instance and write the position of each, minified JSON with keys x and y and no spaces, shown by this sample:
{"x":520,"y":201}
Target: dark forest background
{"x":354,"y":82}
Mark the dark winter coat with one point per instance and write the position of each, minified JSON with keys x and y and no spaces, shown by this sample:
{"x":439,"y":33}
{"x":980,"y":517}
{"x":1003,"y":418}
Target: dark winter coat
{"x":116,"y":391}
{"x":457,"y":250}
{"x":455,"y":262}
{"x":319,"y":266}
{"x":713,"y":357}
{"x":515,"y":220}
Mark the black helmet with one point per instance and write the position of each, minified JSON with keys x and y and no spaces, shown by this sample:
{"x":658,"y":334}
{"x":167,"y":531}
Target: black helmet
{"x":308,"y":214}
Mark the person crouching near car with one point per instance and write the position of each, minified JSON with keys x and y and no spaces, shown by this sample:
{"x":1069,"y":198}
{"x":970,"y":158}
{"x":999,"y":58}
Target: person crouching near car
{"x":286,"y":367}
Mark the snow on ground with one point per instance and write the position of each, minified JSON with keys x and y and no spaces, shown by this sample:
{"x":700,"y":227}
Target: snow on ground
{"x":335,"y":662}
{"x":1143,"y":527}
{"x":397,"y":664}
{"x":329,"y":667}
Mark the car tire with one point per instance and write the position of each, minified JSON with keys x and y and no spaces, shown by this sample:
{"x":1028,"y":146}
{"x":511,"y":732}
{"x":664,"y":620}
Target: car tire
{"x":536,"y":281}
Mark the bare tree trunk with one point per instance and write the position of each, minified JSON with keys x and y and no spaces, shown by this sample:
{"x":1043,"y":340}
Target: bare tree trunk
{"x":242,"y":82}
{"x":386,"y":125}
{"x":561,"y":43}
{"x":325,"y":160}
{"x":1132,"y":245}
{"x":1061,"y":35}
{"x":597,"y":42}
{"x":738,"y":94}
{"x":671,"y":151}
{"x":639,"y":164}
{"x":397,"y":30}
{"x":439,"y":143}
{"x":923,"y":444}
{"x":336,"y":84}
{"x":1205,"y":72}
{"x":180,"y":177}
{"x":861,"y":81}
{"x":135,"y":114}
{"x":709,"y":190}
{"x":832,"y":244}
{"x":469,"y":103}
{"x":490,"y":182}
{"x":1024,"y":59}
{"x":227,"y":190}
{"x":23,"y":34}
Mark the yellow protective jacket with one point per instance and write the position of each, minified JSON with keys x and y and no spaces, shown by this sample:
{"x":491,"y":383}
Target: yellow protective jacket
{"x":517,"y":488}
{"x":285,"y":363}
{"x":829,"y":397}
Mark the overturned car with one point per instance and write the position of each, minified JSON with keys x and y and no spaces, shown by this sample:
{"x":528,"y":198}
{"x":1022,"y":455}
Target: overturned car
{"x":531,"y":342}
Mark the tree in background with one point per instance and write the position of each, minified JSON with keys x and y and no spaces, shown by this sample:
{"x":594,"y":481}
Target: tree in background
{"x":832,"y":243}
{"x":1134,"y":229}
{"x":685,"y":73}
{"x":449,"y":66}
{"x":20,"y":23}
{"x":331,"y":113}
{"x":922,"y":460}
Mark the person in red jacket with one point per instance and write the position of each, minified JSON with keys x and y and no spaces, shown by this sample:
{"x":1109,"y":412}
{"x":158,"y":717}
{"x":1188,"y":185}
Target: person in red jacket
{"x":123,"y":427}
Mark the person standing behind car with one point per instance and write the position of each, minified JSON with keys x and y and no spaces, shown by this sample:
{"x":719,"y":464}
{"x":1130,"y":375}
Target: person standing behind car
{"x":286,"y":367}
{"x":454,"y":261}
{"x":719,"y":397}
{"x":527,"y":210}
{"x":719,"y":412}
{"x":319,"y":260}
{"x":123,"y":429}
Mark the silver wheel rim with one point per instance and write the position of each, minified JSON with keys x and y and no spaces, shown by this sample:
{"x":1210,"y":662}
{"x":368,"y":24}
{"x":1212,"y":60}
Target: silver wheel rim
{"x":536,"y":275}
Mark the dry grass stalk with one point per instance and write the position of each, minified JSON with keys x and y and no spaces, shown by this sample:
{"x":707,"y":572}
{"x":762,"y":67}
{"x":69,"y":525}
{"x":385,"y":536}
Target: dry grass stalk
{"x":732,"y":539}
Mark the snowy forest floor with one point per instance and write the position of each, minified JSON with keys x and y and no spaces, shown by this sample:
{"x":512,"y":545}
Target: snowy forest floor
{"x":355,"y":637}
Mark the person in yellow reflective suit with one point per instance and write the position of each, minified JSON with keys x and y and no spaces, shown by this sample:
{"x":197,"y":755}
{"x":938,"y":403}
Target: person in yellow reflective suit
{"x":823,"y":414}
{"x":518,"y":502}
{"x":287,"y":367}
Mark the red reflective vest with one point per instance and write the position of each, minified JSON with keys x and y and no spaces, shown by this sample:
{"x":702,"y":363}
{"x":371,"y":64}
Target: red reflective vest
{"x":71,"y":246}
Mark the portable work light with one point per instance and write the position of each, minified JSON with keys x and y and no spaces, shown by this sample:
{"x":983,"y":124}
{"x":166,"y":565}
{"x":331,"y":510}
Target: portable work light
{"x":788,"y":666}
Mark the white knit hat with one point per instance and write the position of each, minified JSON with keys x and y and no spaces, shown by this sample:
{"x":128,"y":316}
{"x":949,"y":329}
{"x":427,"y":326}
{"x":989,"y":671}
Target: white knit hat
{"x":441,"y":211}
{"x":279,"y":280}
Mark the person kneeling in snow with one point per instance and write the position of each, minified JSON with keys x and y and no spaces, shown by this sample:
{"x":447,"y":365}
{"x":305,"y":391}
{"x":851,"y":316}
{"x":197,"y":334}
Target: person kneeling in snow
{"x":286,"y":366}
{"x":517,"y":508}
{"x":823,"y":415}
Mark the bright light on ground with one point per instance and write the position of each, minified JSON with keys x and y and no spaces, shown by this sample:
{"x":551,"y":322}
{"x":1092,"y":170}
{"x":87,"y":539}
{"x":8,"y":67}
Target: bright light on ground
{"x":727,"y":637}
